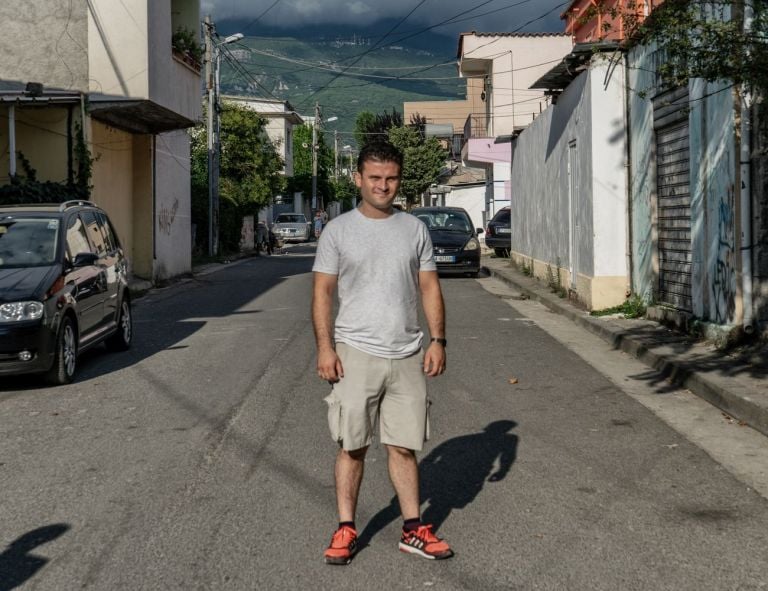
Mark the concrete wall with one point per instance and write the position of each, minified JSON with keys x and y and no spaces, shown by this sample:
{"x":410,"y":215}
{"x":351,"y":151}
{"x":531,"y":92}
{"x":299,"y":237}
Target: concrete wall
{"x":449,"y":112}
{"x":36,"y":30}
{"x":760,"y":209}
{"x":472,"y":199}
{"x":118,"y":47}
{"x":714,"y":192}
{"x":569,"y":189}
{"x":173,"y":216}
{"x":113,"y":180}
{"x":516,"y":62}
{"x":143,"y":207}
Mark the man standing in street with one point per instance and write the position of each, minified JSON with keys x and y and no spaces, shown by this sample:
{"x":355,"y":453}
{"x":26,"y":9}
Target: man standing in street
{"x":380,"y":260}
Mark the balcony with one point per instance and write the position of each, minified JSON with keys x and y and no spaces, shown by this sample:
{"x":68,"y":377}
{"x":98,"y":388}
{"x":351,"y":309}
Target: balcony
{"x":479,"y":146}
{"x":476,"y":126}
{"x":137,"y":82}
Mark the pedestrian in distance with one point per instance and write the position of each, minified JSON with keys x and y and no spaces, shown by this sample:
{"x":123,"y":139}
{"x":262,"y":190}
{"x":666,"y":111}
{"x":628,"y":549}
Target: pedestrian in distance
{"x":380,"y":260}
{"x":318,"y":224}
{"x":263,"y":238}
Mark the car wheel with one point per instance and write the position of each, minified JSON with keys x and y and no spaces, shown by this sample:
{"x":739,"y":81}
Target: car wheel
{"x":500,"y":252}
{"x":121,"y":340}
{"x":65,"y":359}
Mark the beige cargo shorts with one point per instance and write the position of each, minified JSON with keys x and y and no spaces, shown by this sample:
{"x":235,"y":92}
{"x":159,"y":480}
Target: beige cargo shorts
{"x":390,"y":394}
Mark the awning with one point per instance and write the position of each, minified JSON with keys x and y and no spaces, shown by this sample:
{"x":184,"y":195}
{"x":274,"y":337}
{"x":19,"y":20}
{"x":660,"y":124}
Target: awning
{"x":136,"y":116}
{"x":573,"y":64}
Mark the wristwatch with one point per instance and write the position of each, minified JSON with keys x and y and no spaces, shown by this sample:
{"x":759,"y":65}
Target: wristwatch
{"x":443,"y":342}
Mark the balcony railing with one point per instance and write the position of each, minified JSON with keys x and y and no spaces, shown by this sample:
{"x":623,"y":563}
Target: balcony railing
{"x":476,"y":126}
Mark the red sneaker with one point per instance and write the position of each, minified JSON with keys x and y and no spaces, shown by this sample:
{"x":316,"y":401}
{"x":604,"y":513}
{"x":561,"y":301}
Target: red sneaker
{"x":343,"y":546}
{"x":423,"y":542}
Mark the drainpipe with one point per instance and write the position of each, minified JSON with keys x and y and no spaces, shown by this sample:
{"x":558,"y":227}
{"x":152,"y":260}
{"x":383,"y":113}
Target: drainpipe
{"x":628,"y":167}
{"x":746,"y":194}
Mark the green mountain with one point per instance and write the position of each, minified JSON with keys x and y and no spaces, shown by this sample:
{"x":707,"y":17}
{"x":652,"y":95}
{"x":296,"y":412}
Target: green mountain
{"x":346,"y":71}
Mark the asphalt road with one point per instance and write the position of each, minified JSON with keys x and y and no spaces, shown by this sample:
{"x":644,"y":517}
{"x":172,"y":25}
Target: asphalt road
{"x":200,"y":459}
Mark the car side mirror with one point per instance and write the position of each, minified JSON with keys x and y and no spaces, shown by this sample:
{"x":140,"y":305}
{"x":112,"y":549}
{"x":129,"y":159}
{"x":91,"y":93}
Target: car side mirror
{"x":479,"y":230}
{"x":85,"y":259}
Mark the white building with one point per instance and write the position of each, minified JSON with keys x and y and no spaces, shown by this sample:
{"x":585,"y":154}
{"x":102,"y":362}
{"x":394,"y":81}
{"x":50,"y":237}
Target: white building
{"x":105,"y":75}
{"x":508,"y":64}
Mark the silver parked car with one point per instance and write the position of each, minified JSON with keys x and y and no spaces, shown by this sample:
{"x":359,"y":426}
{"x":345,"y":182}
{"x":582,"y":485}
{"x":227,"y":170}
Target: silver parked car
{"x":292,"y":226}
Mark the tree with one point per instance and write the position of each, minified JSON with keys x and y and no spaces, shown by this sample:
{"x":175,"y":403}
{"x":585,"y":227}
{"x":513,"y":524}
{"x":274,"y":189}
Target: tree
{"x":701,"y":39}
{"x":369,"y":126}
{"x":344,"y":191}
{"x":249,"y":174}
{"x":250,"y":170}
{"x":301,"y":182}
{"x":423,"y":160}
{"x":364,"y":124}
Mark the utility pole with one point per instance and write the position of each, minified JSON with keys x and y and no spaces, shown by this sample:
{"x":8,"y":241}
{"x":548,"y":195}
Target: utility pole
{"x":315,"y":125}
{"x":336,"y":155}
{"x":213,"y":197}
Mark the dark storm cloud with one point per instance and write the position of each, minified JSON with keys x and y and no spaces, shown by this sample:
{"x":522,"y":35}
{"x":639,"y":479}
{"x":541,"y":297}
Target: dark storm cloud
{"x":296,"y":13}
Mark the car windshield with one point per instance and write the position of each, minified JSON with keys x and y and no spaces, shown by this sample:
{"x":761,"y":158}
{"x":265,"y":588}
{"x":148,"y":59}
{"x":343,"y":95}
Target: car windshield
{"x":454,"y":221}
{"x":502,"y":216}
{"x":288,"y":218}
{"x":28,"y":242}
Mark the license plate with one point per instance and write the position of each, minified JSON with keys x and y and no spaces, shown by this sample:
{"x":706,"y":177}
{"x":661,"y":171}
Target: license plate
{"x":505,"y":230}
{"x":445,"y":259}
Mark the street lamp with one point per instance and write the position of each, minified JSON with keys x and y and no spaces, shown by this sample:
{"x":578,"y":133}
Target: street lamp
{"x":213,"y":55}
{"x":315,"y":148}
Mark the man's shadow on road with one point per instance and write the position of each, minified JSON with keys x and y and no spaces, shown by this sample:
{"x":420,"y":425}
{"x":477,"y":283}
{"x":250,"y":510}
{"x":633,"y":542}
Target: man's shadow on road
{"x":453,"y":474}
{"x":18,"y":563}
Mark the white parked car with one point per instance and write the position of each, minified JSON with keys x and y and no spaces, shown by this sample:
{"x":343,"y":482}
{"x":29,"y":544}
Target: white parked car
{"x":292,"y":226}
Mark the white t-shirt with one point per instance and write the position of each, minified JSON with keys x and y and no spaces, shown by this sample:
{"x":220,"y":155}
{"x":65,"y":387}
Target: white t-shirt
{"x":377,"y":262}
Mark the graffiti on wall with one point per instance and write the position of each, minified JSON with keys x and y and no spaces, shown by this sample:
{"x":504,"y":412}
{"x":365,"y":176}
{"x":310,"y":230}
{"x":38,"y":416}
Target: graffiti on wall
{"x":167,"y":216}
{"x":724,"y":276}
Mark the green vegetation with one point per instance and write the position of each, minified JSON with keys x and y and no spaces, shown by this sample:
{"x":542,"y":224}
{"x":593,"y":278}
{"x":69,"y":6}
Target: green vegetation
{"x":186,"y":42}
{"x":423,"y":159}
{"x":249,"y":175}
{"x":701,"y":39}
{"x":26,"y":188}
{"x":554,"y":281}
{"x":634,"y":307}
{"x":302,"y":165}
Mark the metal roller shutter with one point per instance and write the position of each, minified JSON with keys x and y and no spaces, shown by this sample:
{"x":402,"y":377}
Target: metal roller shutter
{"x":673,"y":193}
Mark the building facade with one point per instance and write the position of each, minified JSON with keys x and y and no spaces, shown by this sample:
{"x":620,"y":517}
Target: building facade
{"x":106,"y":77}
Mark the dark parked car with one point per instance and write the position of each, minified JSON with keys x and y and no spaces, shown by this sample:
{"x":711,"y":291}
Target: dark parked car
{"x":498,"y":234}
{"x":63,"y":288}
{"x":457,"y":249}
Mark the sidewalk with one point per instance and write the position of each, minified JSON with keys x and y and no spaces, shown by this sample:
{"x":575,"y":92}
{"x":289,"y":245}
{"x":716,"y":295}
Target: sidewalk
{"x":738,"y":386}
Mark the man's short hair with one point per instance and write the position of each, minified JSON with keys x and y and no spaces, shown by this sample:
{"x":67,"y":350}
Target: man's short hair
{"x":379,"y":151}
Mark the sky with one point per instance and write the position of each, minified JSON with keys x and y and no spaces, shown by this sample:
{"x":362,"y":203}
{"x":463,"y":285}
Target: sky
{"x":463,"y":15}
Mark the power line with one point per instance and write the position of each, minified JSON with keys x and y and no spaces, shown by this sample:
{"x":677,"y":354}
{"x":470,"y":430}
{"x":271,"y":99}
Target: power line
{"x":258,"y":18}
{"x":378,"y":43}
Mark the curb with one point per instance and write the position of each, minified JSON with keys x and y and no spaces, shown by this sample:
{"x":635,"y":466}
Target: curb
{"x":733,"y":399}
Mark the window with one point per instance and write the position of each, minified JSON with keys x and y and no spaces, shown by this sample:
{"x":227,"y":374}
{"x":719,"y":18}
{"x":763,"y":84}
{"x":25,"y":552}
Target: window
{"x":28,"y":242}
{"x":94,"y":232}
{"x":109,"y":233}
{"x":77,"y":240}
